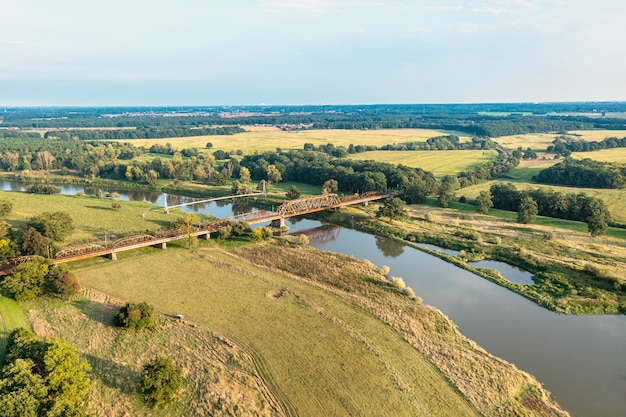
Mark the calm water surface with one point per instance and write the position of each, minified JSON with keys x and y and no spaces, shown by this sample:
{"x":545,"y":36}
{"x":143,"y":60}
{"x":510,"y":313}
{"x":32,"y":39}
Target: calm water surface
{"x":580,"y":359}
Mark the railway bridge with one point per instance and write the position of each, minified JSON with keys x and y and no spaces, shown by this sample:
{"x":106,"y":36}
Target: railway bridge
{"x":290,"y":208}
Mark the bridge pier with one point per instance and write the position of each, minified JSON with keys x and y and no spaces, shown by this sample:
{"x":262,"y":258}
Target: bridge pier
{"x":113,"y":256}
{"x":205,"y":236}
{"x":162,"y":245}
{"x":278,"y":223}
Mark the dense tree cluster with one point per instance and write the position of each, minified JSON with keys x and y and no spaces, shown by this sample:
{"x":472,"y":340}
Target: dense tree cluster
{"x":350,"y":176}
{"x":551,"y":203}
{"x":43,"y":378}
{"x":41,"y":154}
{"x":37,"y":277}
{"x":142,"y":133}
{"x":584,"y":173}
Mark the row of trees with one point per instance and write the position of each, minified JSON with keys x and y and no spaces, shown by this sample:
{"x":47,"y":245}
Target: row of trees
{"x":584,"y":173}
{"x":551,"y":203}
{"x":142,"y":133}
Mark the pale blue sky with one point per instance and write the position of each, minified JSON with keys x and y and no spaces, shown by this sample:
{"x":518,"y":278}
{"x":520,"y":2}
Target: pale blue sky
{"x":203,"y":52}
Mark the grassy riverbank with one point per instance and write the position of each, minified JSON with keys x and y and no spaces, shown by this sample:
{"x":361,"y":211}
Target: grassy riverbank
{"x":324,"y":330}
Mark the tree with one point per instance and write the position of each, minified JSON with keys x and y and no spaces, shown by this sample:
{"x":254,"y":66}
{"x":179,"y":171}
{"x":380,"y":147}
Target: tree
{"x":34,"y":243}
{"x":527,"y":210}
{"x":54,"y":225}
{"x":27,"y":282}
{"x":136,"y":316}
{"x":244,"y":175}
{"x":330,"y":186}
{"x":61,"y":282}
{"x":598,"y":217}
{"x":293,"y":193}
{"x":449,"y":184}
{"x":161,"y":381}
{"x":208,"y":145}
{"x":392,"y":208}
{"x":273,"y":174}
{"x":6,"y":205}
{"x":43,"y":378}
{"x":483,"y":202}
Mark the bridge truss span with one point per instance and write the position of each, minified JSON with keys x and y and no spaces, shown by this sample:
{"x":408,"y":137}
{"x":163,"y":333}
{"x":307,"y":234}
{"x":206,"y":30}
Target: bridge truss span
{"x":305,"y":205}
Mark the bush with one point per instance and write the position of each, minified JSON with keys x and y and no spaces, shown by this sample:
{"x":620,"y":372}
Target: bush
{"x":116,"y":206}
{"x":161,"y":381}
{"x":383,"y":270}
{"x":398,"y":283}
{"x":6,"y":205}
{"x":136,"y":316}
{"x":408,"y":291}
{"x":303,"y":240}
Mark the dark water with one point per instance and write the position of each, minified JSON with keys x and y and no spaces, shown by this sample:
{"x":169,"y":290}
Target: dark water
{"x":580,"y":359}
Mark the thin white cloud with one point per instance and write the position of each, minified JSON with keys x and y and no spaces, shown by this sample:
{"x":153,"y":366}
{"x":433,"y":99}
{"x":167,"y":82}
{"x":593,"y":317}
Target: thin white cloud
{"x":490,"y":10}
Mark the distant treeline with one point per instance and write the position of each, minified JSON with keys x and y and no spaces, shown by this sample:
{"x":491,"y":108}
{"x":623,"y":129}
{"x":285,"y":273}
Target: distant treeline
{"x":550,"y":203}
{"x":459,"y":118}
{"x":584,"y":173}
{"x":143,"y":133}
{"x":565,"y":145}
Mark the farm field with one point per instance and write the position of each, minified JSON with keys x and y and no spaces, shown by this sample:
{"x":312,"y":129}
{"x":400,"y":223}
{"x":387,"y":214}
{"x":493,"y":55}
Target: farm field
{"x":325,"y":356}
{"x":269,"y":138}
{"x":440,"y":163}
{"x":540,"y":141}
{"x":605,"y":155}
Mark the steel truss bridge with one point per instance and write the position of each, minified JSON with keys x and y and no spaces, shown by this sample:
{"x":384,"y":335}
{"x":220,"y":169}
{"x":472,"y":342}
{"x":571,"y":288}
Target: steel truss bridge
{"x":290,"y":208}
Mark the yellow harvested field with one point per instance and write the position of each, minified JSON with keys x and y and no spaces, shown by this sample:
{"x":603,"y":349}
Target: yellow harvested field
{"x":269,"y":138}
{"x":440,"y":163}
{"x":534,"y":141}
{"x":540,"y":141}
{"x":605,"y":155}
{"x":598,"y":135}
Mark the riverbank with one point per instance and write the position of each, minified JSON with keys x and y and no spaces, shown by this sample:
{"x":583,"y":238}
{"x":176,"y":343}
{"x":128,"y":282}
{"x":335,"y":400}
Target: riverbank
{"x":336,"y":336}
{"x":573,"y":273}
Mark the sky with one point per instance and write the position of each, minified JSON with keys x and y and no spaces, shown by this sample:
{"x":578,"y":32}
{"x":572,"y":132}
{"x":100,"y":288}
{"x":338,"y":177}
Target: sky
{"x":290,"y":52}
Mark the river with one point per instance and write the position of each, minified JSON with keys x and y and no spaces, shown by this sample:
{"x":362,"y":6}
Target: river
{"x":580,"y":359}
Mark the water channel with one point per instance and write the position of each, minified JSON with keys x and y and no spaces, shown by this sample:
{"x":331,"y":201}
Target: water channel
{"x":580,"y":359}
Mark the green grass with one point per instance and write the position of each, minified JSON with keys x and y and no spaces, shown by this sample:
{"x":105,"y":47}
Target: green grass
{"x":440,"y":163}
{"x":326,"y":356}
{"x":12,"y":316}
{"x":268,"y":139}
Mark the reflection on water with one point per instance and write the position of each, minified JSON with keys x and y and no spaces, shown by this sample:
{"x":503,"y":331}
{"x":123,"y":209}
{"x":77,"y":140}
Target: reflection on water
{"x":510,"y":272}
{"x":322,"y":234}
{"x":389,"y":248}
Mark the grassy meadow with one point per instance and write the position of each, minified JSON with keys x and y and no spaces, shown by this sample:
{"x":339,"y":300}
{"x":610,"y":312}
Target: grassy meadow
{"x":321,"y":354}
{"x":260,"y":139}
{"x":93,"y":217}
{"x":440,"y":163}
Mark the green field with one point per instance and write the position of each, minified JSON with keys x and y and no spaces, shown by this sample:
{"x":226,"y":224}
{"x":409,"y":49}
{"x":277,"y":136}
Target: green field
{"x":324,"y":355}
{"x":440,"y":163}
{"x":540,"y":141}
{"x":262,"y":139}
